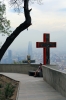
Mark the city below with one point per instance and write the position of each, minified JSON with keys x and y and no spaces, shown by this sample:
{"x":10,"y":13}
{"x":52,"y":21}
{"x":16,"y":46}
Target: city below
{"x":17,"y":57}
{"x":56,"y":58}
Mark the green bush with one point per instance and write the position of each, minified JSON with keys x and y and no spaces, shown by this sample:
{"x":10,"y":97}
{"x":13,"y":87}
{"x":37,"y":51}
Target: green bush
{"x":9,"y":89}
{"x":2,"y":97}
{"x":0,"y":85}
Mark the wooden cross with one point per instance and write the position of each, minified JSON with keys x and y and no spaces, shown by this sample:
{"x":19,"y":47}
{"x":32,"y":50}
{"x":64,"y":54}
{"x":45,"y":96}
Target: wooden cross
{"x":46,"y":44}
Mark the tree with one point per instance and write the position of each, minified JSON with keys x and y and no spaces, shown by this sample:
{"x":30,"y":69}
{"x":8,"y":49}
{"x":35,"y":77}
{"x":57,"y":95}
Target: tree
{"x":20,"y":28}
{"x":4,"y":23}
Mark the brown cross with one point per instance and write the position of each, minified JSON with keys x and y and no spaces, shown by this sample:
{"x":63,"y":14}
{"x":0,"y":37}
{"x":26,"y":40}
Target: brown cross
{"x":46,"y":44}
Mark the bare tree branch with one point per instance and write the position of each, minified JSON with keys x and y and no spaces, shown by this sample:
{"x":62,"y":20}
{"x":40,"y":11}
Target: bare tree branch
{"x":18,"y":3}
{"x":19,"y":29}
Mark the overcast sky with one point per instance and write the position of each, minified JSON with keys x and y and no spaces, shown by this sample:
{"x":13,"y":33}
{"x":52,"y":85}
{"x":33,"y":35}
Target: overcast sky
{"x":50,"y":17}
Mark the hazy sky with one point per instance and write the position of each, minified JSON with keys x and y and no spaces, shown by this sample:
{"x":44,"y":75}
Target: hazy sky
{"x":50,"y":17}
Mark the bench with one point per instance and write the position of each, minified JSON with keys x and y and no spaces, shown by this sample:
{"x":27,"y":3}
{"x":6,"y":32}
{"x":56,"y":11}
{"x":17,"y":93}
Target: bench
{"x":31,"y":73}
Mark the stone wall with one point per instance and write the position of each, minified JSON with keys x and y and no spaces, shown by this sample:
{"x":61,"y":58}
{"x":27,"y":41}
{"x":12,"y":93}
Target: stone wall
{"x":51,"y":74}
{"x":18,"y":68}
{"x":55,"y":78}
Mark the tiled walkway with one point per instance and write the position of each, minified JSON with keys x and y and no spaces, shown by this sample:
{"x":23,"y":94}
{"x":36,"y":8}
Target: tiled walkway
{"x":32,"y":88}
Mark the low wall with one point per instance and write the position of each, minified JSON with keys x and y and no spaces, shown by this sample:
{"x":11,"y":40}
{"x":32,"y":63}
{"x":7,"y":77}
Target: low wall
{"x":18,"y":68}
{"x":55,"y":78}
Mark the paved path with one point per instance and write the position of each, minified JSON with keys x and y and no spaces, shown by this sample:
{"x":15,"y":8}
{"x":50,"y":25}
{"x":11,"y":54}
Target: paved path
{"x":32,"y":88}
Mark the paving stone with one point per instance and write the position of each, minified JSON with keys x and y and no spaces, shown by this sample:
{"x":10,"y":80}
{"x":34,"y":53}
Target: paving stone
{"x":32,"y":88}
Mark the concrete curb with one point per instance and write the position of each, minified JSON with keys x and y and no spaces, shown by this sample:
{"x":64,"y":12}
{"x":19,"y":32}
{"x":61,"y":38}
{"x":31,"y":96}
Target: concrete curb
{"x":18,"y":91}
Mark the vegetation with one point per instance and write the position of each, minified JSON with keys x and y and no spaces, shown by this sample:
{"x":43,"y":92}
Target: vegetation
{"x":17,"y":62}
{"x":7,"y":91}
{"x":4,"y":23}
{"x":21,"y":27}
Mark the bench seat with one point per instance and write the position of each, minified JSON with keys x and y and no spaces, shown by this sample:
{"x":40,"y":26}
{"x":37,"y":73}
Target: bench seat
{"x":31,"y":73}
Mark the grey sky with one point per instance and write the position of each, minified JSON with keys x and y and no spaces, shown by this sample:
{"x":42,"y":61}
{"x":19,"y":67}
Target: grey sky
{"x":47,"y":18}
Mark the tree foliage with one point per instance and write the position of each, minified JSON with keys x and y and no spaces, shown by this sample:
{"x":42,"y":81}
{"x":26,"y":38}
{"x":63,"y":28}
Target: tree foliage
{"x":19,"y":28}
{"x":4,"y":23}
{"x":18,"y":4}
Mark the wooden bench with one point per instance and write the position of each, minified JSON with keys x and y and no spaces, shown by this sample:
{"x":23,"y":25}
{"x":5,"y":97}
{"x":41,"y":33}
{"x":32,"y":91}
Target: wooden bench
{"x":31,"y":73}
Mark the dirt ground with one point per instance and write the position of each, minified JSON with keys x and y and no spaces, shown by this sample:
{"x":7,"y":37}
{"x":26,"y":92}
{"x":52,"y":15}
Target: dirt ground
{"x":4,"y":80}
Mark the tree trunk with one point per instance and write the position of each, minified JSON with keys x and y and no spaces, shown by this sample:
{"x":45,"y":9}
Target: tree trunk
{"x":17,"y":31}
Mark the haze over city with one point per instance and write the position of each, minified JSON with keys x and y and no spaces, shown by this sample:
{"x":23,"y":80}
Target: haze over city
{"x":49,"y":17}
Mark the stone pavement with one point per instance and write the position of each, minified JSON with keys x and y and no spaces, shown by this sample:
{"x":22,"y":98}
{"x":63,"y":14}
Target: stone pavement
{"x":33,"y":88}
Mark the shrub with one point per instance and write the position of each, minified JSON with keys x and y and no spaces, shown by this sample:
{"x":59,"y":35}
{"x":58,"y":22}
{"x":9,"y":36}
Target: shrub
{"x":9,"y":89}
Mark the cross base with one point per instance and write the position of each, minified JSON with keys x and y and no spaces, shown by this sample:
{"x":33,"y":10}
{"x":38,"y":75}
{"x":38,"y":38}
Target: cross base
{"x":27,"y":61}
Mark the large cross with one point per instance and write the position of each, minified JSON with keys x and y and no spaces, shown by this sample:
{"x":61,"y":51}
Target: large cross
{"x":46,"y":44}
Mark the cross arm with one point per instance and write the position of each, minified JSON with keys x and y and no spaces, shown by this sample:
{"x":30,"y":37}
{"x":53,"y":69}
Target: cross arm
{"x":45,"y":44}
